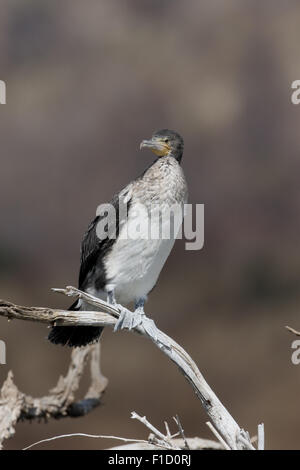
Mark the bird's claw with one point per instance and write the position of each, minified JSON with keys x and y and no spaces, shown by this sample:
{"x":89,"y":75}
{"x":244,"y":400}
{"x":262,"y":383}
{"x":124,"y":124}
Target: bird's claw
{"x":129,"y":320}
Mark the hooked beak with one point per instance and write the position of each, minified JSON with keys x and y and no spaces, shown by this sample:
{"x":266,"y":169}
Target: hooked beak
{"x":158,"y":147}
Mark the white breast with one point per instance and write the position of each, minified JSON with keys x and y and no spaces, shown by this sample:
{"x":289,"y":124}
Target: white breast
{"x":138,"y":255}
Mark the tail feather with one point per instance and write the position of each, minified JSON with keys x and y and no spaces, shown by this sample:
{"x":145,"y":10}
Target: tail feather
{"x":74,"y":336}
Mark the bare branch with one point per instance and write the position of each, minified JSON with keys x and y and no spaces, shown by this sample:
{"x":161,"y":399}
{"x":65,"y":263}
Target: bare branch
{"x":233,"y":435}
{"x":81,"y":434}
{"x":54,"y":316}
{"x":261,"y":437}
{"x":295,"y":332}
{"x":220,"y":438}
{"x":177,"y":421}
{"x":168,"y":433}
{"x":194,"y":443}
{"x":158,"y":438}
{"x":15,"y":405}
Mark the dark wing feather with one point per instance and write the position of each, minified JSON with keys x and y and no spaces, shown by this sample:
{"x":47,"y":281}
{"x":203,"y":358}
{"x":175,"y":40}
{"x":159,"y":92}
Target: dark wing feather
{"x":93,"y":249}
{"x":90,"y":247}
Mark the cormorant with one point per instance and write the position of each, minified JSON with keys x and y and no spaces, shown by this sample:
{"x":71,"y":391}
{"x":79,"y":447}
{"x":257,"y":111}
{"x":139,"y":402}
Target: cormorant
{"x":124,"y":269}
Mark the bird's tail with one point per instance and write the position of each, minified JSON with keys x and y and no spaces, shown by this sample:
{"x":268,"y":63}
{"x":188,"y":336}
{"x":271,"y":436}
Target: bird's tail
{"x":74,"y":336}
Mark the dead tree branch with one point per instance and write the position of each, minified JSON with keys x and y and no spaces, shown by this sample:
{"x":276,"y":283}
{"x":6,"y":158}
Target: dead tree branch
{"x":194,"y":443}
{"x":16,"y":406}
{"x":234,"y":436}
{"x":292,"y":330}
{"x":156,"y":440}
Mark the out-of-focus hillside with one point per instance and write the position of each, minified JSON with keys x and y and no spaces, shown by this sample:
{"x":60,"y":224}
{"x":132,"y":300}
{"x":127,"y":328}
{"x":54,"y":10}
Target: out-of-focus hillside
{"x":86,"y":82}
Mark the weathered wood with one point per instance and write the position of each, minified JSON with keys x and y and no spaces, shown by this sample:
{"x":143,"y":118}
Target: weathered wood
{"x":60,"y":402}
{"x":233,"y":435}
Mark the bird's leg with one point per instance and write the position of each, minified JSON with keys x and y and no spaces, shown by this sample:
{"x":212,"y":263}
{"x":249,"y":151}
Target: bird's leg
{"x":123,"y":319}
{"x":139,"y":311}
{"x":111,"y":297}
{"x":128,"y":319}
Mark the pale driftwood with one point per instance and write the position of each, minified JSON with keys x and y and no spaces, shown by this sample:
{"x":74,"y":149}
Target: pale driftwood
{"x":292,"y":330}
{"x":261,"y":437}
{"x":54,"y":316}
{"x":82,"y":434}
{"x":168,"y":441}
{"x":16,"y":406}
{"x":156,"y":440}
{"x":156,"y":437}
{"x":234,"y":436}
{"x":181,"y":432}
{"x":194,"y":443}
{"x":218,"y":436}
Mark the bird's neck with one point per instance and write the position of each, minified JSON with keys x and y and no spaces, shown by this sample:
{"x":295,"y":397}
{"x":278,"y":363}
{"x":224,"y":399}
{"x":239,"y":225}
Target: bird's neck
{"x":178,"y":156}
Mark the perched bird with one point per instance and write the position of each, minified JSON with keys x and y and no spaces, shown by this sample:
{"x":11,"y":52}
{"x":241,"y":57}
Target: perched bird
{"x":124,"y":269}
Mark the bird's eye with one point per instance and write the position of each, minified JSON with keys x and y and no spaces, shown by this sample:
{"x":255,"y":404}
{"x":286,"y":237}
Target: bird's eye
{"x":167,"y":141}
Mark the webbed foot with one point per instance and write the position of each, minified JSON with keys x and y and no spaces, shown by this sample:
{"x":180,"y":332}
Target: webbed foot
{"x":128,"y":319}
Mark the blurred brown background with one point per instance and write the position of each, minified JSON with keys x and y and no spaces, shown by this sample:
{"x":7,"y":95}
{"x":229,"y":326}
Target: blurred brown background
{"x":86,"y":82}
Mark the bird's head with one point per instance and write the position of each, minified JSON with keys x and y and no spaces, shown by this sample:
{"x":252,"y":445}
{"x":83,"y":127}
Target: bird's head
{"x":165,"y":143}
